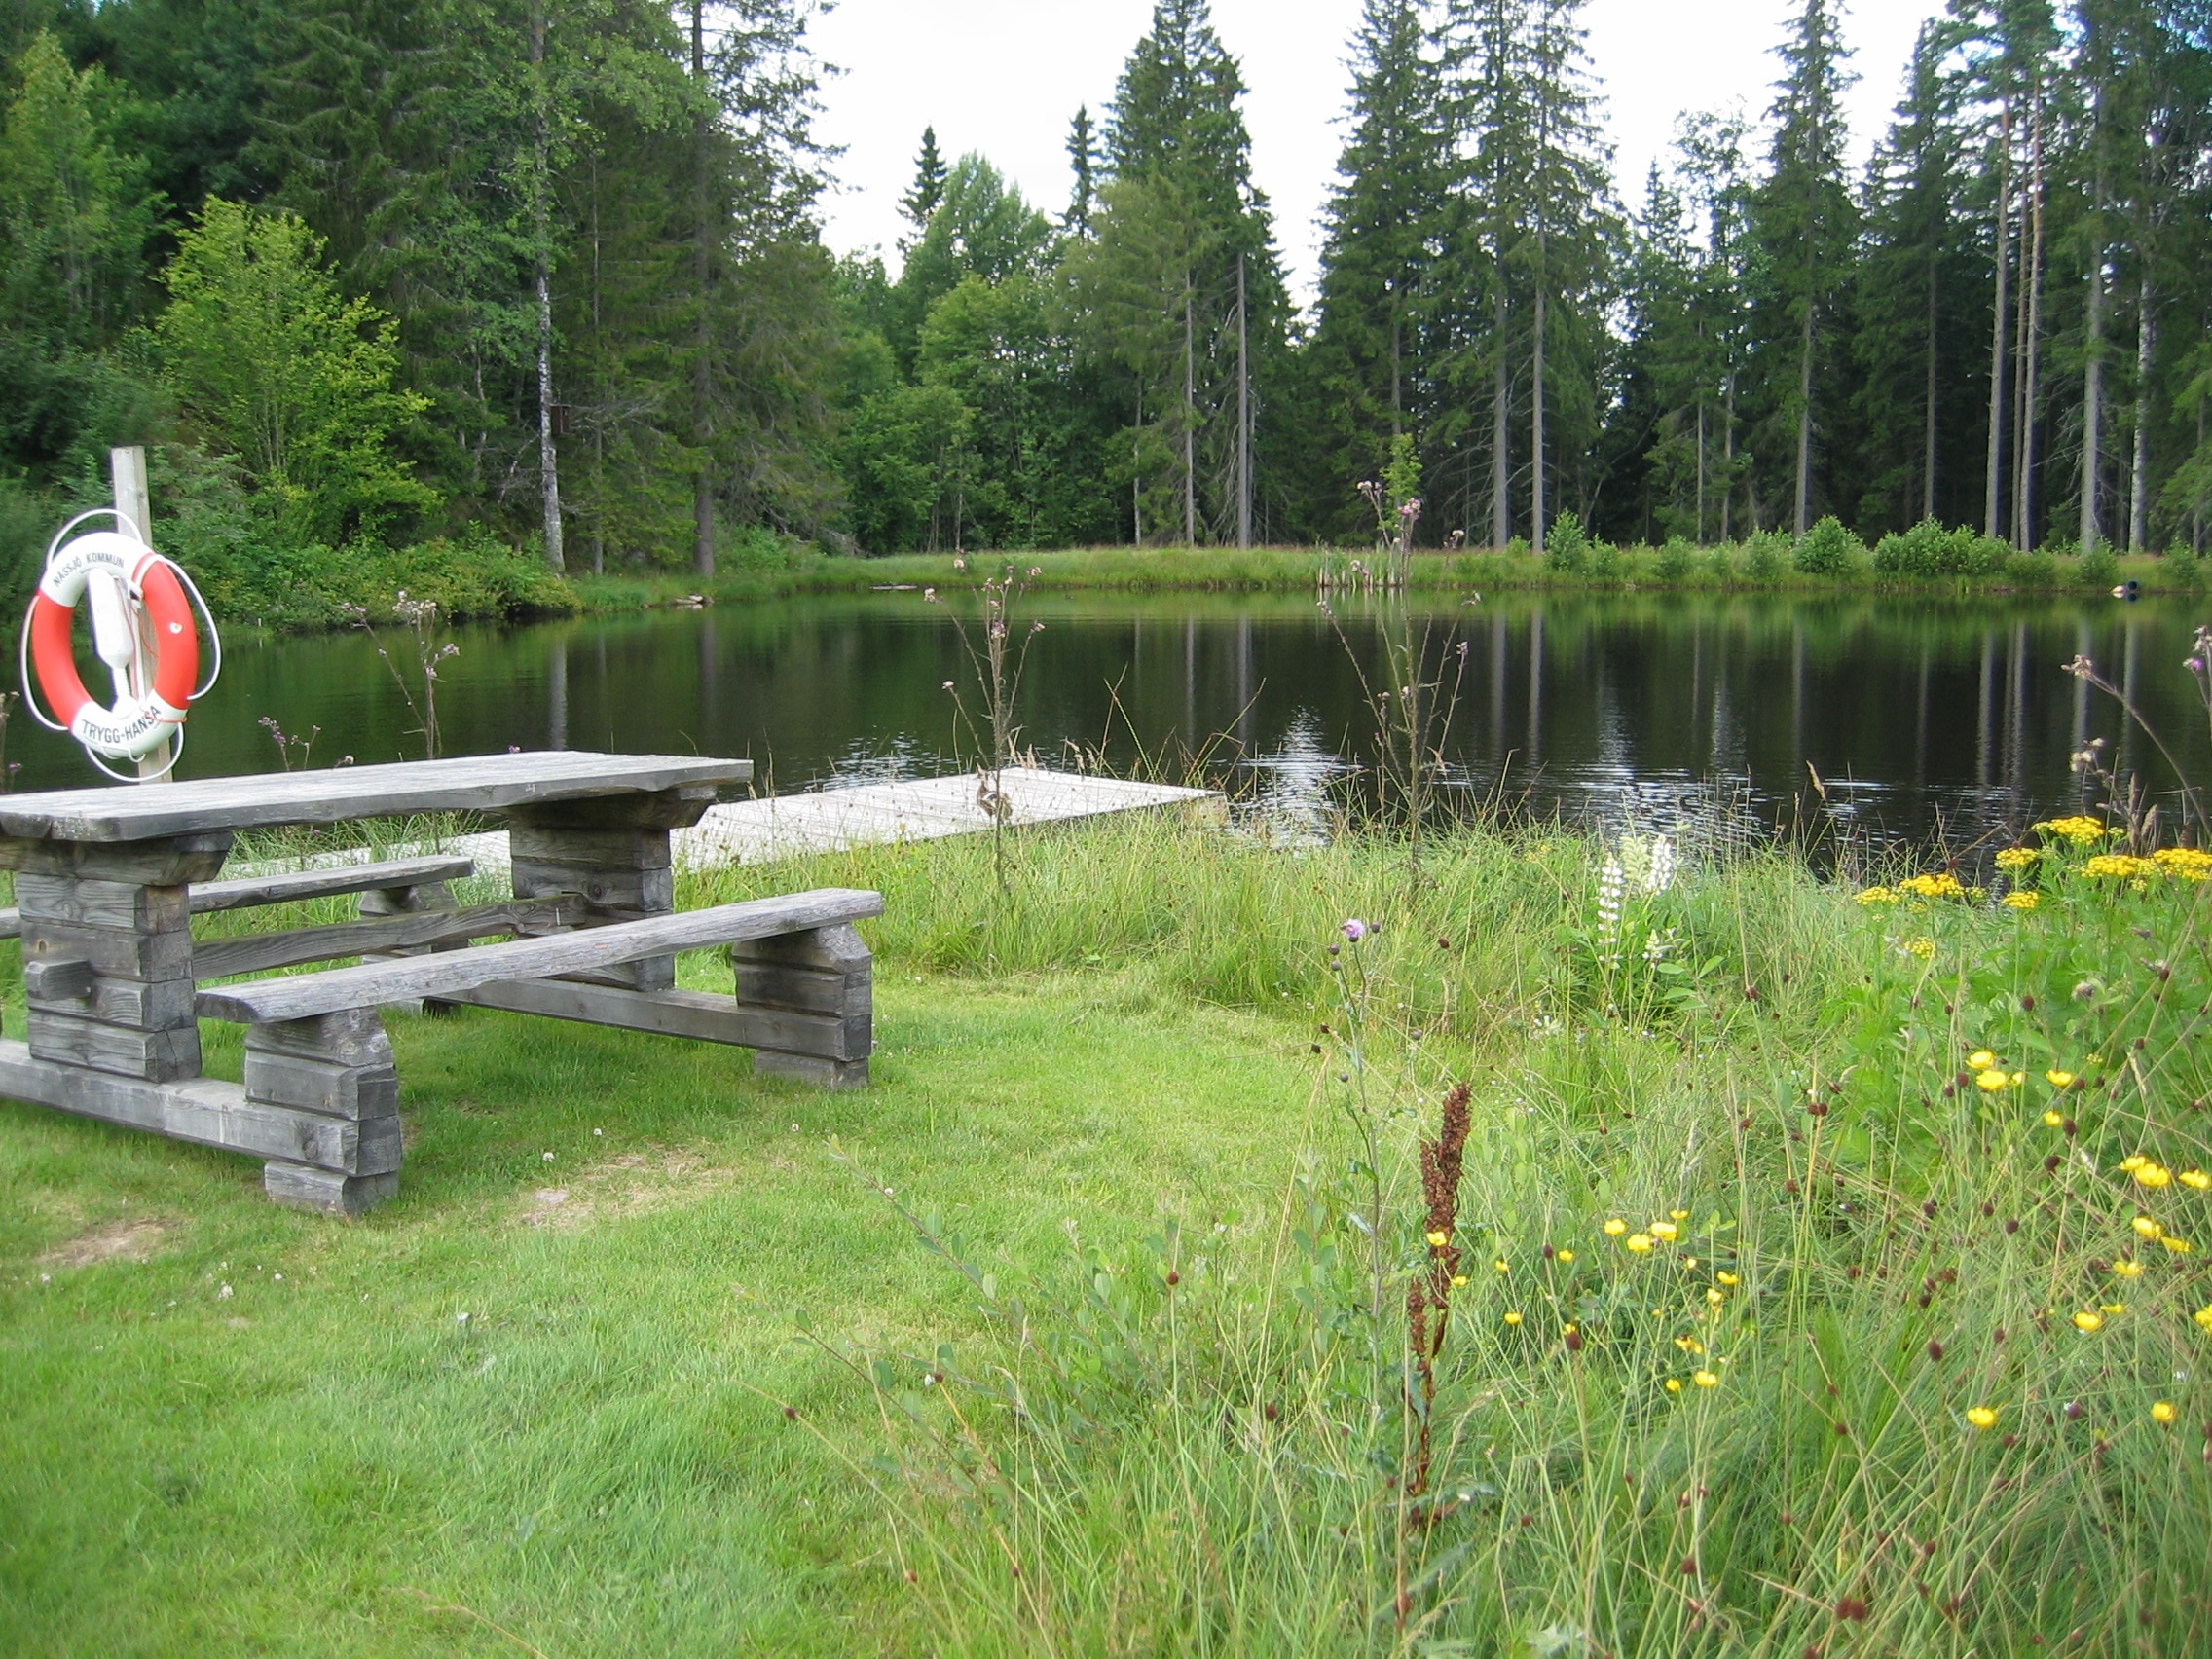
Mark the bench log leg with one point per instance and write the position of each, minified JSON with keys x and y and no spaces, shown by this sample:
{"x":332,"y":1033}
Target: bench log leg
{"x":823,"y":972}
{"x":338,"y":1066}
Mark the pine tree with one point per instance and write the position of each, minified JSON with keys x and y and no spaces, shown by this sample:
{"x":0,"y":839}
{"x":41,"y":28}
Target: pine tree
{"x":1082,"y":160}
{"x":1806,"y":224}
{"x":1919,"y":309}
{"x":920,"y":202}
{"x":1385,"y":232}
{"x":1185,"y":291}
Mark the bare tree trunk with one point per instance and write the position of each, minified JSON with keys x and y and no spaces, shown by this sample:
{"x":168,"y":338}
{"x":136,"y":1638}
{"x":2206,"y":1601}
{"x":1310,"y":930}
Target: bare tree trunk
{"x":1927,"y":418}
{"x":1993,"y":523}
{"x":1536,"y":411}
{"x":1728,"y":458}
{"x":702,"y":328}
{"x":1805,"y":418}
{"x":1189,"y":423}
{"x":1244,"y":414}
{"x":2032,"y":332}
{"x":2139,"y":483}
{"x":1701,"y":463}
{"x":2093,"y":387}
{"x":548,"y":462}
{"x":1501,"y":430}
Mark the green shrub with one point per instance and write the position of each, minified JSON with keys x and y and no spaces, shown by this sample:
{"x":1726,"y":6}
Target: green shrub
{"x":2181,"y":570}
{"x":2097,"y":568}
{"x":1766,"y":555}
{"x":1677,"y":558}
{"x":2030,"y":569}
{"x":1567,"y":547}
{"x":1606,"y":562}
{"x":1721,"y":561}
{"x":1517,"y":547}
{"x":1828,"y":549}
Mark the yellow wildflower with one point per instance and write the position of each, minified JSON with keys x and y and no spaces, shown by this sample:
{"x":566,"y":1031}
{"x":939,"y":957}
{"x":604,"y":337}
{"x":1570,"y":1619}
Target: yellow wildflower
{"x":2196,"y":1178}
{"x":2126,"y":1268}
{"x":1615,"y":1228}
{"x":1982,"y":1059}
{"x":1459,"y":1279}
{"x":1513,"y":1318}
{"x":1729,"y":1280}
{"x":2121,"y":866}
{"x":1940,"y":885}
{"x":2133,"y":1161}
{"x":1705,"y":1380}
{"x":2016,"y":858}
{"x":1639,"y":1242}
{"x":2021,"y":899}
{"x":2191,"y":864}
{"x":2078,"y":830}
{"x":2177,"y":1246}
{"x":1983,"y":1418}
{"x":1874,"y":896}
{"x":1923,"y":948}
{"x":2148,"y":1174}
{"x":1677,"y":1215}
{"x":1500,"y":1264}
{"x":2059,"y":1079}
{"x":2203,"y":1316}
{"x":1674,"y":1384}
{"x":2162,"y":1412}
{"x":2088,"y":1321}
{"x":2019,"y":1078}
{"x":1714,"y":1296}
{"x":1689,"y":1344}
{"x":1992,"y":1079}
{"x":2147,"y":1228}
{"x":2053,"y":1119}
{"x":2113,"y":1308}
{"x":1439,"y":1238}
{"x":1567,"y":1255}
{"x":1664,"y":1229}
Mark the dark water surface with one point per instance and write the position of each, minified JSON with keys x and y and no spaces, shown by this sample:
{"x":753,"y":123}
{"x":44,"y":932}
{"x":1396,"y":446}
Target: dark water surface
{"x":1919,"y":715}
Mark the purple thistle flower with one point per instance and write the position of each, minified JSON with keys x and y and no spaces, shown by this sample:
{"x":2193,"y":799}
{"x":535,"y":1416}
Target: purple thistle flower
{"x":1355,"y":930}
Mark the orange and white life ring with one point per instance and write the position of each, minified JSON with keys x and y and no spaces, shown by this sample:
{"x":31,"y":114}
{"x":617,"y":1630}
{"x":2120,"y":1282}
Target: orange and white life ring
{"x":144,"y":630}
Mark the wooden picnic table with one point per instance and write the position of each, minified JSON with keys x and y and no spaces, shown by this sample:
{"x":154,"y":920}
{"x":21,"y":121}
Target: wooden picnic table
{"x":112,"y":975}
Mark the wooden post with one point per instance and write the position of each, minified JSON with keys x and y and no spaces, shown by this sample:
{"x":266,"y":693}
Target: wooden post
{"x":823,"y":971}
{"x":334,"y":1071}
{"x":127,"y":468}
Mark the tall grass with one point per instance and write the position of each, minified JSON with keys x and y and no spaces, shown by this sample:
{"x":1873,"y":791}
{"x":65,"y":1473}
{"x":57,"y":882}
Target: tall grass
{"x":1788,"y":1322}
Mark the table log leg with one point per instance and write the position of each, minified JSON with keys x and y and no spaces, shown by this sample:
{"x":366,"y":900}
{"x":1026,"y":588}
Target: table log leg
{"x":107,"y":974}
{"x":612,"y":853}
{"x":827,"y":971}
{"x":339,"y":1068}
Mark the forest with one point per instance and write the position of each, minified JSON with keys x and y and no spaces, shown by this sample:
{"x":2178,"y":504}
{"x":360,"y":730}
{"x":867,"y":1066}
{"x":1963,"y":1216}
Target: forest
{"x":539,"y":284}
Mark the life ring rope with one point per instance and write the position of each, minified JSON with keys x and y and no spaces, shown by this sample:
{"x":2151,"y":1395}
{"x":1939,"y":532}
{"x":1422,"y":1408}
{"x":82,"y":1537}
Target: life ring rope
{"x":140,"y":721}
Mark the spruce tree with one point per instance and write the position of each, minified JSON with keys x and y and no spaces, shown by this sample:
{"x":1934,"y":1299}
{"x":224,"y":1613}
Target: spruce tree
{"x":1386,"y":229}
{"x":1806,"y":223}
{"x":928,"y":189}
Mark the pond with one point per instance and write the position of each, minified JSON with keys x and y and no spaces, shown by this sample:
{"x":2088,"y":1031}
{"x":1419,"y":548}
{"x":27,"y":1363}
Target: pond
{"x":1921,"y":717}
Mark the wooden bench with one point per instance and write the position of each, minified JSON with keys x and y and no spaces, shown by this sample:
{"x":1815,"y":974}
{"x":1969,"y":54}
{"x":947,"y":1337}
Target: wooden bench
{"x":319,"y":1064}
{"x":387,"y":880}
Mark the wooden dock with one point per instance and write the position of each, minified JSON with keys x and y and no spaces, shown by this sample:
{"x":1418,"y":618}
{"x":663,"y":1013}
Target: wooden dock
{"x":926,"y":809}
{"x":836,"y":820}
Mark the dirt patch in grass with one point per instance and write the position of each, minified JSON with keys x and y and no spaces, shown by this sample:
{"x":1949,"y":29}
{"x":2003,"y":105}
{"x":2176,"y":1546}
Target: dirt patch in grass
{"x":133,"y":1240}
{"x":636,"y":1183}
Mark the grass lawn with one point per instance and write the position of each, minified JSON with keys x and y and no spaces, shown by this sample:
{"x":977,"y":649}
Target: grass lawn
{"x":1827,"y":1272}
{"x":327,"y":1457}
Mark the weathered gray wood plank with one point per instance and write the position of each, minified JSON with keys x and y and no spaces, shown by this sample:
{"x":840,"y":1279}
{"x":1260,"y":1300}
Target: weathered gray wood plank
{"x":151,"y":1005}
{"x":97,"y":903}
{"x":206,"y":1111}
{"x":197,"y":856}
{"x":694,"y":1014}
{"x":324,"y":1191}
{"x":251,"y":892}
{"x":258,"y":953}
{"x":485,"y":783}
{"x":375,"y":983}
{"x":160,"y":1056}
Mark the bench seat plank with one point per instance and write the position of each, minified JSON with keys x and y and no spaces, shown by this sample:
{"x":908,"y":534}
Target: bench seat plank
{"x":258,"y":953}
{"x":376,"y":983}
{"x":697,"y":1014}
{"x":250,"y":892}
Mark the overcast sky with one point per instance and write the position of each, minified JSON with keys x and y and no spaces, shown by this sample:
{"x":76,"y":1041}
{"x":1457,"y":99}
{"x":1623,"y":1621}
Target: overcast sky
{"x":1005,"y":76}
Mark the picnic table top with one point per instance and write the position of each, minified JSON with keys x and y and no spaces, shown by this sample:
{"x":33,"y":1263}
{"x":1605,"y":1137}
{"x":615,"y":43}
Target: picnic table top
{"x":476,"y":783}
